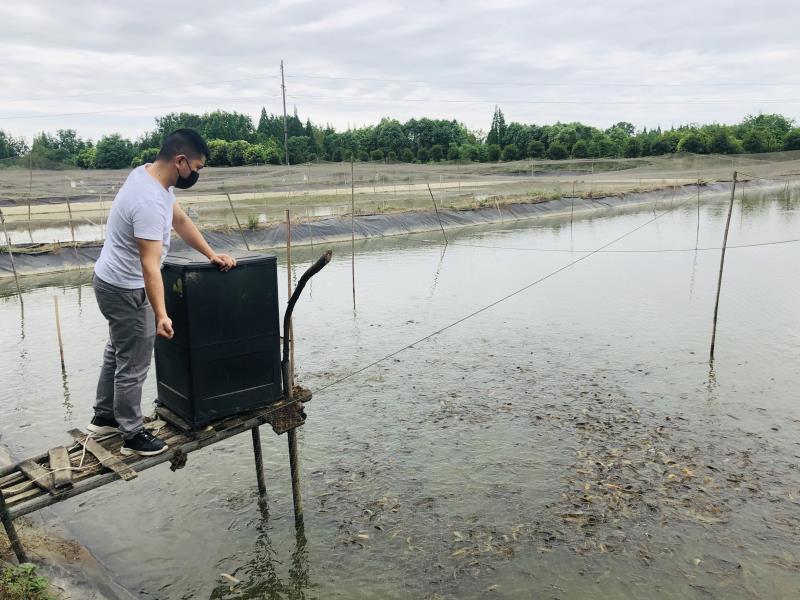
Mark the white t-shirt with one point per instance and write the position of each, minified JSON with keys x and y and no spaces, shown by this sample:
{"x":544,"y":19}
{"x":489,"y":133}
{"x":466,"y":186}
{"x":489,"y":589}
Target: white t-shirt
{"x":142,"y":209}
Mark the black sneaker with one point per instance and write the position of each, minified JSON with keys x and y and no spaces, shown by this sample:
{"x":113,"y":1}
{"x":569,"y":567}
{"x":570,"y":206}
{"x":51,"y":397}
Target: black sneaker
{"x":103,"y":426}
{"x":143,"y":443}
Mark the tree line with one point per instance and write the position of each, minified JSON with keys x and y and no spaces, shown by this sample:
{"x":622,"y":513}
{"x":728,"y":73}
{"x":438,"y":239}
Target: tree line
{"x":234,"y":140}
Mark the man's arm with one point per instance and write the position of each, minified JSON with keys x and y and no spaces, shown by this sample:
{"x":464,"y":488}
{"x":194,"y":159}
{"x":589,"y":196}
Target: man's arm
{"x":192,"y":236}
{"x":150,"y":255}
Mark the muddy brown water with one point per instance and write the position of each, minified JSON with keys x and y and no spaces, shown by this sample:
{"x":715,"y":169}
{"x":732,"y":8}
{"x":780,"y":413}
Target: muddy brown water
{"x":569,"y":442}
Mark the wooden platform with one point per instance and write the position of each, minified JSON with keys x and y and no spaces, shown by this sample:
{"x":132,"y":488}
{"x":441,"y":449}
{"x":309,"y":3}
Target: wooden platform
{"x":87,"y":463}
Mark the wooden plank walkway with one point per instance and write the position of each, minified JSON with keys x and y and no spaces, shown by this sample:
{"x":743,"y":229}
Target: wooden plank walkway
{"x":37,"y":482}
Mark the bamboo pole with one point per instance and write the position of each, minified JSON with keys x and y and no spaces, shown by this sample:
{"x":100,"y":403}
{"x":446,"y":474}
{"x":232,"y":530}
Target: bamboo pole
{"x":11,"y":532}
{"x":30,"y":185}
{"x":239,"y":225}
{"x":58,"y":331}
{"x":721,"y":266}
{"x":71,"y":223}
{"x":697,"y":233}
{"x":10,"y":254}
{"x":294,"y":467}
{"x":435,"y":208}
{"x":353,"y":227}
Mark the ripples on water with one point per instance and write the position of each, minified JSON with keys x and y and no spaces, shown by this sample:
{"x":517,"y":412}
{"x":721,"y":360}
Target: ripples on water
{"x":566,"y":443}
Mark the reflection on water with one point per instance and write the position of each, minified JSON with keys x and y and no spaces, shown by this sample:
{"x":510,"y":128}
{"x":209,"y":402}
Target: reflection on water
{"x":260,"y":576}
{"x":571,"y":442}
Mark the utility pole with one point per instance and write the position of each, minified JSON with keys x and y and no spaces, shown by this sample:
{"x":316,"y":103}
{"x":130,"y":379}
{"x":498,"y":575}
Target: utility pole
{"x":285,"y":129}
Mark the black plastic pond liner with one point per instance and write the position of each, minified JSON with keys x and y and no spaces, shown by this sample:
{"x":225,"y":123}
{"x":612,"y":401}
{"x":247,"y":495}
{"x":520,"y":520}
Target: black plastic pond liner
{"x":67,"y":257}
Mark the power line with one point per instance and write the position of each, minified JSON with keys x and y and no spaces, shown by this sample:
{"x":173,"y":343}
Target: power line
{"x":134,"y":108}
{"x":643,"y":251}
{"x":696,"y":101}
{"x":533,"y":83}
{"x":498,"y":301}
{"x":137,"y":90}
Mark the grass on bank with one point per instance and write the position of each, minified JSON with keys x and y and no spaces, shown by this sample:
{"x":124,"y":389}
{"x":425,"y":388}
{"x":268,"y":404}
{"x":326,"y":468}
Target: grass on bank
{"x":22,"y":583}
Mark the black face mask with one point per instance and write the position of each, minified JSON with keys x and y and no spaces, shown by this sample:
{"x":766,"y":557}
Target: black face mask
{"x":185,"y":183}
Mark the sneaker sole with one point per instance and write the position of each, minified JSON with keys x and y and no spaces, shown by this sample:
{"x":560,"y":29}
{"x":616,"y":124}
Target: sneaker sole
{"x":102,"y":429}
{"x":130,"y":452}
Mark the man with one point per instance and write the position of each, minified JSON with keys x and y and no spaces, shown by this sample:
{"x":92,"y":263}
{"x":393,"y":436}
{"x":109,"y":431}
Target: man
{"x":129,"y":288}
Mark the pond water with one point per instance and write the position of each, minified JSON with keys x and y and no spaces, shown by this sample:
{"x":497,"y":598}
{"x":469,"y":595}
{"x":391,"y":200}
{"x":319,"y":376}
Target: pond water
{"x":568,"y":442}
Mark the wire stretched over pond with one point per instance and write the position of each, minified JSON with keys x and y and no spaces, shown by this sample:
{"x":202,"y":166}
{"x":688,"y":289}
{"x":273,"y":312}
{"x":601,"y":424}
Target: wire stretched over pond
{"x":499,"y":300}
{"x":648,"y":251}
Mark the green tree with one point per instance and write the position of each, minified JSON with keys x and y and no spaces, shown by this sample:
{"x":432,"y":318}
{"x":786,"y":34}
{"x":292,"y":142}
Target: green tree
{"x":510,"y":152}
{"x":536,"y":149}
{"x":113,"y":152}
{"x":497,"y":131}
{"x":557,"y":151}
{"x":692,"y":142}
{"x":791,"y":140}
{"x":406,"y":155}
{"x":376,"y":155}
{"x":391,"y":157}
{"x":255,"y":154}
{"x":722,"y":142}
{"x":580,"y":149}
{"x":756,"y":140}
{"x":453,"y":152}
{"x":602,"y":145}
{"x":299,"y":147}
{"x":11,"y":147}
{"x":437,"y":152}
{"x":493,"y":152}
{"x":223,"y":125}
{"x":633,"y":147}
{"x":423,"y":155}
{"x":363,"y":156}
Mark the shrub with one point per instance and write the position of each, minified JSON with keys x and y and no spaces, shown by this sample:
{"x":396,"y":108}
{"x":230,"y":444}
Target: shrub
{"x":363,"y":156}
{"x":423,"y":155}
{"x":437,"y":152}
{"x":493,"y":152}
{"x":406,"y":155}
{"x":692,"y":142}
{"x":86,"y":158}
{"x":453,"y":152}
{"x":236,"y":152}
{"x":252,"y":221}
{"x":22,"y":583}
{"x":376,"y":154}
{"x":391,"y":156}
{"x":219,"y":153}
{"x":580,"y":149}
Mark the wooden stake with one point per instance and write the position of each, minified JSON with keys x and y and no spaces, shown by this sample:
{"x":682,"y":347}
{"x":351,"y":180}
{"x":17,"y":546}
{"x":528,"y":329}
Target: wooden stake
{"x":71,"y":224}
{"x":294,"y":466}
{"x":10,"y":255}
{"x":30,"y":185}
{"x":58,"y":331}
{"x":239,"y":225}
{"x":11,"y":532}
{"x":697,"y":234}
{"x":721,"y":266}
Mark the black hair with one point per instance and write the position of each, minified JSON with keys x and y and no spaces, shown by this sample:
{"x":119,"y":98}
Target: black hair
{"x":183,"y":141}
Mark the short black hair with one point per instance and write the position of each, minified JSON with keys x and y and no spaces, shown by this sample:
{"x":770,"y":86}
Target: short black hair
{"x":183,"y":141}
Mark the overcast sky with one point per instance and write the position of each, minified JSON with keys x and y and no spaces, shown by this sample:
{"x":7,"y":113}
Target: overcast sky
{"x":352,"y":63}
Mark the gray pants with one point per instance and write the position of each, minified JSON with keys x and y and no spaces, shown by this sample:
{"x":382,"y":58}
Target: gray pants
{"x":126,"y":359}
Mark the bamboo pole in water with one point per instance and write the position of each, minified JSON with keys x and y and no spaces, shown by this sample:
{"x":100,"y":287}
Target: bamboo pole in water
{"x":58,"y":331}
{"x":721,"y":266}
{"x":435,"y":208}
{"x":353,"y":227}
{"x":10,"y":255}
{"x":239,"y":225}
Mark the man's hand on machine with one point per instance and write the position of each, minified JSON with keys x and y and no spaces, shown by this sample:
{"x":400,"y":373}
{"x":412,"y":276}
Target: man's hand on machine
{"x":223,"y":261}
{"x":164,"y":327}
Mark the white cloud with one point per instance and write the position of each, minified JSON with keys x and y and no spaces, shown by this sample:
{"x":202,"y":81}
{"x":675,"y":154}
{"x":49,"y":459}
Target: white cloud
{"x":569,"y":54}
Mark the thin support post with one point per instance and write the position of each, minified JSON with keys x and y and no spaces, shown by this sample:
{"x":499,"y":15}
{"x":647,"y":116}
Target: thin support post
{"x":238,"y":224}
{"x":71,"y":223}
{"x":435,"y":208}
{"x":11,"y":532}
{"x":10,"y":255}
{"x":262,"y":487}
{"x":294,"y":466}
{"x":697,"y":233}
{"x":58,"y":331}
{"x":353,"y":227}
{"x":721,"y":266}
{"x":290,"y":330}
{"x":285,"y":126}
{"x":30,"y":185}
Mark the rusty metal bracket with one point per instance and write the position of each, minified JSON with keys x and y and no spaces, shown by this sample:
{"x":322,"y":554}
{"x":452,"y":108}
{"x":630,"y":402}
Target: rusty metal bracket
{"x":287,"y":418}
